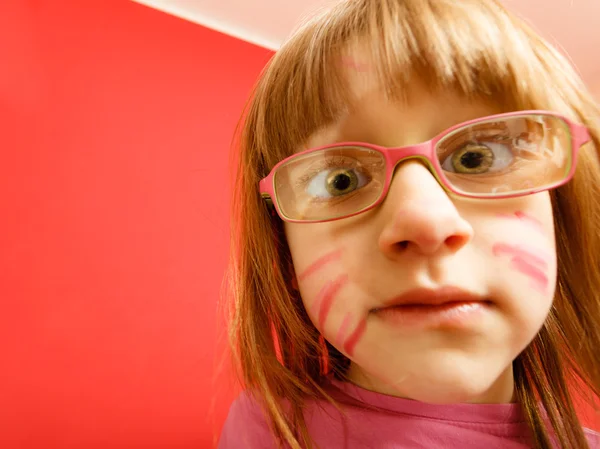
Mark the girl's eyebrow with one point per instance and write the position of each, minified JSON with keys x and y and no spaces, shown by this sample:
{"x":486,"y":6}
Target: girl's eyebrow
{"x":320,"y":263}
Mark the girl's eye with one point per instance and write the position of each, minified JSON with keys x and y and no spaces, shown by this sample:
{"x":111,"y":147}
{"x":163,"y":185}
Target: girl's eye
{"x":337,"y":182}
{"x":478,"y":158}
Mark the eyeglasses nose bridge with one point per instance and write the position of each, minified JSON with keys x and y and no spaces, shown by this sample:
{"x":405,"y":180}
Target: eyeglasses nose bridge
{"x":423,"y":152}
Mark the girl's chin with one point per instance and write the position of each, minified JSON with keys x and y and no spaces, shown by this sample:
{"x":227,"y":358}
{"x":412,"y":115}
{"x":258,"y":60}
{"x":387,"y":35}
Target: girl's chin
{"x":446,"y":389}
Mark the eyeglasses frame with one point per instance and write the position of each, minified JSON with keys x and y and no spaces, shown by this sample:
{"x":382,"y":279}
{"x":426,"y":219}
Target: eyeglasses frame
{"x":425,"y":151}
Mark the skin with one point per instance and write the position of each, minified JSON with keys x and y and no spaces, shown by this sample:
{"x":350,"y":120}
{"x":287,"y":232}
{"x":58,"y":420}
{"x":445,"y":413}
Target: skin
{"x":420,"y":237}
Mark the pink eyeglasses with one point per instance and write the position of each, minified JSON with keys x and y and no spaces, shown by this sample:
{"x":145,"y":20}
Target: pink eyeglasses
{"x":499,"y":156}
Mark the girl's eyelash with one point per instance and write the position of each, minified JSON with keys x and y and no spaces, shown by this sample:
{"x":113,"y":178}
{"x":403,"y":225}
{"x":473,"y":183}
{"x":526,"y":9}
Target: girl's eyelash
{"x":332,"y":162}
{"x":511,"y":168}
{"x":453,"y":146}
{"x":491,"y":134}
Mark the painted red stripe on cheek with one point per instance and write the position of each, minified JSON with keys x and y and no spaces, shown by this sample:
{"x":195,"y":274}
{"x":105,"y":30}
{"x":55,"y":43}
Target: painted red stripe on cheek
{"x":320,"y":263}
{"x":339,"y":339}
{"x":525,"y":218}
{"x":327,"y":295}
{"x":500,"y":249}
{"x":355,"y":337}
{"x":539,"y":278}
{"x":529,"y":219}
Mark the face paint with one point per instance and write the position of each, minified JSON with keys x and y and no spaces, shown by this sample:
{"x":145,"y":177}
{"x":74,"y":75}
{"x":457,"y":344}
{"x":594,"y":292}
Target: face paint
{"x":358,"y":66}
{"x":320,"y":263}
{"x":354,"y":337}
{"x":528,"y":261}
{"x":532,"y":255}
{"x":525,"y":218}
{"x":530,"y":220}
{"x":538,"y":277}
{"x":339,"y":339}
{"x":325,"y":298}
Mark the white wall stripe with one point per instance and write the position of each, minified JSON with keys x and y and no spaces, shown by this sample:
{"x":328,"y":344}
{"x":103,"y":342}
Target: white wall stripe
{"x":211,"y":22}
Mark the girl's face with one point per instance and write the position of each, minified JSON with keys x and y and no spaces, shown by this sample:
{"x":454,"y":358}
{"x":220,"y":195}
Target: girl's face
{"x":491,"y":262}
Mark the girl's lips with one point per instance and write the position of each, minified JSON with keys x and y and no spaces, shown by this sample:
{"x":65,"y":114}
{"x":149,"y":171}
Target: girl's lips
{"x":426,"y":308}
{"x":453,"y":314}
{"x":431,"y":297}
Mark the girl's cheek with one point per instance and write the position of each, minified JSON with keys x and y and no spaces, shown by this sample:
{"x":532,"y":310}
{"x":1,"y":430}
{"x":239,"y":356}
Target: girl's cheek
{"x":321,"y":306}
{"x":526,"y":219}
{"x":349,"y":334}
{"x":320,"y":283}
{"x":319,"y":264}
{"x":342,"y":329}
{"x":527,"y":261}
{"x":521,"y":250}
{"x":323,"y":289}
{"x":532,"y":224}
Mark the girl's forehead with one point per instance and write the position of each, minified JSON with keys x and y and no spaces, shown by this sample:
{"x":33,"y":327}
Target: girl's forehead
{"x":317,"y":81}
{"x":370,"y":113}
{"x":389,"y":122}
{"x":360,"y":69}
{"x":363,"y":73}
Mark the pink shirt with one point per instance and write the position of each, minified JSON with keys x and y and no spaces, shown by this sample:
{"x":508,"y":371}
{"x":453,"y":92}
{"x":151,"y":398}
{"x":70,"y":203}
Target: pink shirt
{"x":378,"y":421}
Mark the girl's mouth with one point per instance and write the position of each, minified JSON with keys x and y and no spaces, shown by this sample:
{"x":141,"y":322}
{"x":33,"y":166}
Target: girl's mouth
{"x":448,"y":306}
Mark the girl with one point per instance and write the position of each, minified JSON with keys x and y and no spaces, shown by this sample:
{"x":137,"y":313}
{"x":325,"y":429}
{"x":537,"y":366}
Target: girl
{"x":415,"y":255}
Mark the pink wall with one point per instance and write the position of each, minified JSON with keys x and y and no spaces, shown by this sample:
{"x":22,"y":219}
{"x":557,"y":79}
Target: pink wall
{"x":595,"y":87}
{"x":115,"y":124}
{"x":115,"y":129}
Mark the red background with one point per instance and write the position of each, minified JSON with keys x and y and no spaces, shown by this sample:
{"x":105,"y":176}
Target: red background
{"x":115,"y":129}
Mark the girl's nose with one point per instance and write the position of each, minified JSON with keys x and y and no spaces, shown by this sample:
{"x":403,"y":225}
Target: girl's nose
{"x":420,"y":217}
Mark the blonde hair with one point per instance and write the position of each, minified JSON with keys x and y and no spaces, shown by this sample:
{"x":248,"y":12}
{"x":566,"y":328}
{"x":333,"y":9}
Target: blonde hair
{"x":477,"y":48}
